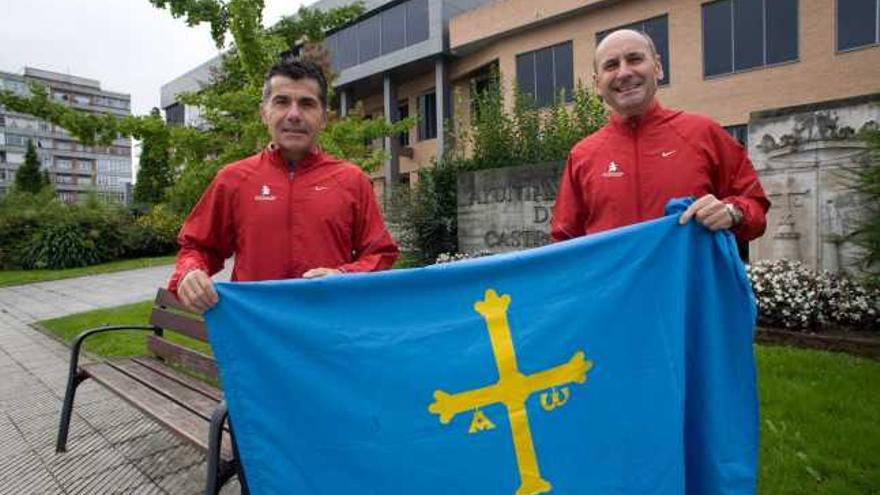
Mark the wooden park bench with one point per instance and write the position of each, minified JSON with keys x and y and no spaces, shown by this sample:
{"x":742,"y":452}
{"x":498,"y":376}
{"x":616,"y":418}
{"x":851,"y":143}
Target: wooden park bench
{"x":190,"y":408}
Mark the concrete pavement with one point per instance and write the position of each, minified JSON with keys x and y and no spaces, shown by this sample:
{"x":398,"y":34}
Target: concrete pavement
{"x":113,"y":448}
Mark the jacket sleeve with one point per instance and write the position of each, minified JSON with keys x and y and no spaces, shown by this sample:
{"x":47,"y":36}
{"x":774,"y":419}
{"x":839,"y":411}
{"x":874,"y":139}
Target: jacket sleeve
{"x":374,"y":249}
{"x":207,"y":236}
{"x":738,"y":185}
{"x":569,"y":211}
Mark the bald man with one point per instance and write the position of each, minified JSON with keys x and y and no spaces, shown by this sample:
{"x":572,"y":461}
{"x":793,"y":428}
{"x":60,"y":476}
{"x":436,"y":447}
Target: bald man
{"x":646,"y":155}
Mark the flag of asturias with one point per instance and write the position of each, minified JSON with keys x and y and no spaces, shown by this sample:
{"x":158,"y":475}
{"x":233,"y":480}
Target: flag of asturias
{"x":619,"y":363}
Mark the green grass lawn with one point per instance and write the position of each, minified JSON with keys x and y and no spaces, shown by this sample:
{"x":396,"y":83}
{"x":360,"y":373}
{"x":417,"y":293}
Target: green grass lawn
{"x":115,"y":344}
{"x":18,"y":277}
{"x":820,"y":411}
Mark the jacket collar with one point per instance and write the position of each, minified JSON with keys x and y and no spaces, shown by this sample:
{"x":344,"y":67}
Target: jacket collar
{"x":653,"y":114}
{"x":314,"y":157}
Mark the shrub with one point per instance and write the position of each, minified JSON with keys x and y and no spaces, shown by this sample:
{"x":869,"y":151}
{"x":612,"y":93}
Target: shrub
{"x":153,"y":234}
{"x":58,"y":246}
{"x":792,"y":296}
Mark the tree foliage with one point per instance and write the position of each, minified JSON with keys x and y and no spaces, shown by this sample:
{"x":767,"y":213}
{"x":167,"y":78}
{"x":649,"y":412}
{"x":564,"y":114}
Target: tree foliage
{"x":155,"y":174}
{"x":425,"y":216}
{"x":867,"y":181}
{"x":232,"y":128}
{"x":28,"y":177}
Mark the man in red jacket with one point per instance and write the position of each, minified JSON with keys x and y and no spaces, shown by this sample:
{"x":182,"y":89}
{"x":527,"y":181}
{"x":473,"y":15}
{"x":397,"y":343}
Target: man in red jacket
{"x":646,"y":155}
{"x":290,"y":211}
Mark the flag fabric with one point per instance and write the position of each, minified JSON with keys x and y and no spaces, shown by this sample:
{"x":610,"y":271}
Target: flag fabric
{"x":618,"y":363}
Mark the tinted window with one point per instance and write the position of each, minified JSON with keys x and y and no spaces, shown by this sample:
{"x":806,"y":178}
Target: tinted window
{"x":856,"y":23}
{"x":402,"y":113}
{"x":717,"y":38}
{"x":330,"y":46}
{"x":544,"y":76}
{"x":748,"y":34}
{"x":416,"y":21}
{"x":763,"y":32}
{"x":525,"y":73}
{"x":563,"y":70}
{"x":782,"y":34}
{"x":347,"y":47}
{"x":544,"y":73}
{"x":394,"y":28}
{"x":368,"y":39}
{"x":427,"y":116}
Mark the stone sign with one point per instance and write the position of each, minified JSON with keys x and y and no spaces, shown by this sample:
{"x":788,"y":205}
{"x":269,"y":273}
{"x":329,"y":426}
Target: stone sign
{"x":506,"y":209}
{"x":804,"y":156}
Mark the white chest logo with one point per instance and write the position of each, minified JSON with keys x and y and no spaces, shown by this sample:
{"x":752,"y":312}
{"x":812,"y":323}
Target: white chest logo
{"x":613,"y":170}
{"x":265,"y":194}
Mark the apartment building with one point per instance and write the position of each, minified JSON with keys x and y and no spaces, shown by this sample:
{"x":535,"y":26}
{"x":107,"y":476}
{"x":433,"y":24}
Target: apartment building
{"x":73,"y":168}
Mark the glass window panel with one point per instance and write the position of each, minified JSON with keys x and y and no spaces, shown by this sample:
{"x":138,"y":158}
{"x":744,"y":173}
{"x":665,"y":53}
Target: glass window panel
{"x":717,"y":38}
{"x":403,"y":113}
{"x":369,"y":39}
{"x":394,"y":28}
{"x":525,"y":73}
{"x":330,"y":45}
{"x":347,"y":47}
{"x":563,"y":70}
{"x":856,"y":23}
{"x":658,"y":29}
{"x":544,"y":76}
{"x":748,"y":34}
{"x":782,"y":30}
{"x":427,"y":116}
{"x":416,"y":21}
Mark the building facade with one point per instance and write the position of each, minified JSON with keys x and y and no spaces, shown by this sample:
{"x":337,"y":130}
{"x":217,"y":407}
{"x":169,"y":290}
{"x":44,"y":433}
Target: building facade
{"x":73,"y":168}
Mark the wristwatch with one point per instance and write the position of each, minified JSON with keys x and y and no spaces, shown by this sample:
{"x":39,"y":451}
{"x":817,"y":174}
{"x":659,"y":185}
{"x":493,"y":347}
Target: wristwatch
{"x":736,"y":216}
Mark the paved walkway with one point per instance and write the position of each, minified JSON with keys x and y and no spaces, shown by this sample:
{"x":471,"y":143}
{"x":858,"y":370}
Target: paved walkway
{"x":113,"y":448}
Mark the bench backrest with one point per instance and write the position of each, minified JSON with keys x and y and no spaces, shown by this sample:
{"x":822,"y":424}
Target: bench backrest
{"x":170,"y":315}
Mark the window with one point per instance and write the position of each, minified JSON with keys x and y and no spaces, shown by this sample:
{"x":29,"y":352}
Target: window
{"x":416,"y":21}
{"x":427,"y":104}
{"x":82,"y":100}
{"x":858,"y":23}
{"x":545,"y":73}
{"x":175,"y":114}
{"x":369,"y":39}
{"x":403,"y":112}
{"x":403,"y":25}
{"x":16,"y":140}
{"x":658,"y":29}
{"x":2,"y":139}
{"x":744,"y":34}
{"x":394,"y":28}
{"x":63,"y":164}
{"x":740,"y":133}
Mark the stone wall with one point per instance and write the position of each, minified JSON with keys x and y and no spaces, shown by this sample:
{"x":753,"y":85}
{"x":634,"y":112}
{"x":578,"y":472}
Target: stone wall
{"x":506,"y":209}
{"x":804,"y":156}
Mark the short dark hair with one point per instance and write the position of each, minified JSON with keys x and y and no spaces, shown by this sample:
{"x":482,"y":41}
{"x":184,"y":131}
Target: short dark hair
{"x":296,"y":69}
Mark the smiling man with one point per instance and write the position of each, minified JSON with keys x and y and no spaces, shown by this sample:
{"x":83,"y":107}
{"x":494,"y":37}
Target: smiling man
{"x":646,"y":155}
{"x":290,"y":211}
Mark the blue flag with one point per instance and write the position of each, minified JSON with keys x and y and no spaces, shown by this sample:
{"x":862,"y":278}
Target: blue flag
{"x":618,"y":363}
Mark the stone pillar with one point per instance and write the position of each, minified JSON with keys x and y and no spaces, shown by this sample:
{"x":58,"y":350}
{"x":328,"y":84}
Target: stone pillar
{"x":344,"y":104}
{"x":441,"y":90}
{"x":392,"y":143}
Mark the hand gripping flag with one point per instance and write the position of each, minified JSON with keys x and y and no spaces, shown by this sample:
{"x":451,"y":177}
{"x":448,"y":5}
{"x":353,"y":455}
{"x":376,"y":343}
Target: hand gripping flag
{"x":619,"y":363}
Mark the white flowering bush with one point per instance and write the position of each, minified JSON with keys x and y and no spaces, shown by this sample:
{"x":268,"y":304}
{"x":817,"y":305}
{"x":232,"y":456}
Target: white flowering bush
{"x":792,"y":296}
{"x":451,"y":257}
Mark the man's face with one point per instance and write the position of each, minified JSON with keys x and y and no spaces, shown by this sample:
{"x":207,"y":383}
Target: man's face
{"x":294,"y":115}
{"x":627,"y":73}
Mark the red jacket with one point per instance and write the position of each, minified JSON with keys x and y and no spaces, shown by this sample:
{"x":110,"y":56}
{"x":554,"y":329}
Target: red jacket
{"x":627,"y":171}
{"x":279,"y":224}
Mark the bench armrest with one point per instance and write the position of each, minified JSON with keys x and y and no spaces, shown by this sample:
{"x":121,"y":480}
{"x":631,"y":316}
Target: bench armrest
{"x":78,"y":342}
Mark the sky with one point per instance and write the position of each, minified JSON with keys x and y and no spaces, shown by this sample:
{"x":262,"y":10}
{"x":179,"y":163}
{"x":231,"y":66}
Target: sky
{"x":128,"y":45}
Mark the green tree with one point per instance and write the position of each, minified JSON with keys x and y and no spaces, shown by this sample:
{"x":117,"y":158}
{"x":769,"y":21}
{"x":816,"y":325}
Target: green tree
{"x":155,"y":174}
{"x":230,"y":104}
{"x":867,"y":181}
{"x":28,"y":177}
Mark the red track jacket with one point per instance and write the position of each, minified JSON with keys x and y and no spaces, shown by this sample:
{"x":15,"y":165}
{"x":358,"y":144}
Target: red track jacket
{"x":279,"y":224}
{"x":627,"y":171}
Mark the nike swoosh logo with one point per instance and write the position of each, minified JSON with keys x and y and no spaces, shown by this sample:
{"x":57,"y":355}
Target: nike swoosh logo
{"x":321,"y":188}
{"x":667,"y":154}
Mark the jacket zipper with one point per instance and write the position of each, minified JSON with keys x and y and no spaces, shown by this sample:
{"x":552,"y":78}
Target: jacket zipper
{"x":289,"y":238}
{"x":637,"y":175}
